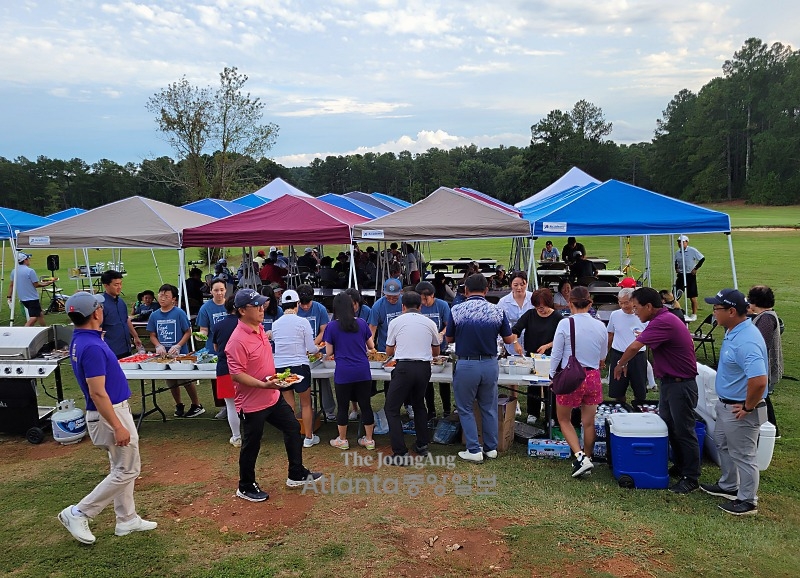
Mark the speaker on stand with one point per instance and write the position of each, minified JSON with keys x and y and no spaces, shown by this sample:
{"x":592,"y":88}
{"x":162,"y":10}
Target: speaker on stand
{"x":56,"y":304}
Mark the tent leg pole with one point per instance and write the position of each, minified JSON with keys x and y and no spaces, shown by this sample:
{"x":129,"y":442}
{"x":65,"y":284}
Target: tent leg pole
{"x":733,"y":264}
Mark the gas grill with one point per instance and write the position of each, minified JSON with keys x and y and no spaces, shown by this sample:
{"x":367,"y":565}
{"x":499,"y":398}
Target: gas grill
{"x":27,"y":355}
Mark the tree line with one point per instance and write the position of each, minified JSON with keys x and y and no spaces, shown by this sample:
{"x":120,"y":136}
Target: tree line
{"x":737,"y":138}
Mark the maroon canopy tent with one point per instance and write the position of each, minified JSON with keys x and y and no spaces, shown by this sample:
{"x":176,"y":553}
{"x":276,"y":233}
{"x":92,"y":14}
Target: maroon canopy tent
{"x":288,"y":220}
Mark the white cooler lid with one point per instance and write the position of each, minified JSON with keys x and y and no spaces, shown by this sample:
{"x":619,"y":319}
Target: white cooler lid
{"x":641,"y":425}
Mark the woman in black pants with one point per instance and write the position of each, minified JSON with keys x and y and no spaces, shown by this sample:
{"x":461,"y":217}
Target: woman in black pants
{"x":348,"y":340}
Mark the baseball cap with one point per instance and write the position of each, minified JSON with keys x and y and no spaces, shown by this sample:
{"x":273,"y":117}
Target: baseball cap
{"x":261,"y":253}
{"x":499,"y":268}
{"x":308,"y":250}
{"x":289,"y":296}
{"x":222,"y":261}
{"x":729,"y":298}
{"x":273,"y":249}
{"x":84,"y":303}
{"x":577,"y":254}
{"x":392,"y":287}
{"x":246,"y":297}
{"x":22,"y":256}
{"x":682,"y":238}
{"x":627,"y":283}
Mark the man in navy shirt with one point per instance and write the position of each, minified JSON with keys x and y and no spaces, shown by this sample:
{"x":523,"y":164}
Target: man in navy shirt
{"x":117,"y":326}
{"x":109,"y":421}
{"x":476,"y":323}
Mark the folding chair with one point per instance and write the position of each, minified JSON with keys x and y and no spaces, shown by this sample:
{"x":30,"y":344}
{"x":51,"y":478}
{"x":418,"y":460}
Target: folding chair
{"x":704,"y":335}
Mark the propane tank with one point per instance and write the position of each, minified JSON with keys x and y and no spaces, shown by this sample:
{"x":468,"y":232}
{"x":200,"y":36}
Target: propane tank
{"x":69,"y":424}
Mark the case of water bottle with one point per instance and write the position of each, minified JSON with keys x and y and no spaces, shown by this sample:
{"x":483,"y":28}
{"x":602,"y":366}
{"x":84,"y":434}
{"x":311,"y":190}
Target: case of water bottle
{"x":637,"y":450}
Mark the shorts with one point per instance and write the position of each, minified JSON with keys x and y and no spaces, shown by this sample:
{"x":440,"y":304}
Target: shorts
{"x":225,"y":387}
{"x":636,"y":378}
{"x":691,"y":281}
{"x":305,"y":371}
{"x":590,"y":392}
{"x":34,"y":307}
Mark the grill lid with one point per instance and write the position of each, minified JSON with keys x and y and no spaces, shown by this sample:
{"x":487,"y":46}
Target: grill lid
{"x":23,"y":342}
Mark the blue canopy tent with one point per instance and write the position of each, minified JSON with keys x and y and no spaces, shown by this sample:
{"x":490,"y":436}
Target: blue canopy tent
{"x":572,"y":179}
{"x":252,"y":200}
{"x":353,"y":206}
{"x":390,"y":199}
{"x":11,"y":221}
{"x":215,"y":207}
{"x":619,"y":209}
{"x":372,"y":201}
{"x":66,"y":214}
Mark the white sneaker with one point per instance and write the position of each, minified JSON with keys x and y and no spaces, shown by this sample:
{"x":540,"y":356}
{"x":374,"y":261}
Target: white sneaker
{"x":236,"y":441}
{"x":491,"y":454}
{"x":531,"y":420}
{"x":518,"y":411}
{"x":410,"y":412}
{"x":78,"y":526}
{"x":135,"y":525}
{"x":312,"y":441}
{"x":353,"y":416}
{"x":470,"y":457}
{"x":691,"y":317}
{"x":222,"y":414}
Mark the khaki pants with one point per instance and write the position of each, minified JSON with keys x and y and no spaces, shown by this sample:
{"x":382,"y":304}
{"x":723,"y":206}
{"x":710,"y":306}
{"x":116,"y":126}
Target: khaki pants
{"x":125,"y":465}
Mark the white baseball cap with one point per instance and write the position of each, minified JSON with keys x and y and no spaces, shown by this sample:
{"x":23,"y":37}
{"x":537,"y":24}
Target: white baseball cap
{"x":683,"y":238}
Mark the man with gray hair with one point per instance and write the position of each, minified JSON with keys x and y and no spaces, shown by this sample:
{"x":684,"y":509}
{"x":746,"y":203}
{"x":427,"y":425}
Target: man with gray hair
{"x":623,"y":327}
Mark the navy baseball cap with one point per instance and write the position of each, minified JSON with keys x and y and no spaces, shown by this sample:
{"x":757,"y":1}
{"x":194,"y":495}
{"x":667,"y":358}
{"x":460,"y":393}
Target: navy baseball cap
{"x":729,"y":298}
{"x":245,"y":297}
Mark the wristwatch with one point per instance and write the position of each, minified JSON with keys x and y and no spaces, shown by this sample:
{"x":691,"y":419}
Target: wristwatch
{"x":744,"y":408}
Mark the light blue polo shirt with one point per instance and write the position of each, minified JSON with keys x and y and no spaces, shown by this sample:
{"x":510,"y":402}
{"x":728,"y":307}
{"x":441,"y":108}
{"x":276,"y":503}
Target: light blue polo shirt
{"x":743,"y":355}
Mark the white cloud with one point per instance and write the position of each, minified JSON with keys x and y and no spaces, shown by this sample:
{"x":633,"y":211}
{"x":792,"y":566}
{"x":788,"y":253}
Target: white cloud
{"x":423,"y":141}
{"x":345,"y":105}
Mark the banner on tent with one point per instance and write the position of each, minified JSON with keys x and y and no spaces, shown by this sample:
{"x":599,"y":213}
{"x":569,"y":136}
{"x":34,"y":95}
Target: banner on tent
{"x":554,"y":227}
{"x":376,"y":234}
{"x":39,"y":241}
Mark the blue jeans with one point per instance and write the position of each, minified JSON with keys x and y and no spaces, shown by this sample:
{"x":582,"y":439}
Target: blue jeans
{"x":476,"y":380}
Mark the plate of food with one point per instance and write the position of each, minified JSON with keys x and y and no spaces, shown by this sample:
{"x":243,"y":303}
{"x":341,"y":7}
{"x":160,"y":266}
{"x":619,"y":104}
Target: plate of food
{"x":377,"y":359}
{"x":389,"y":365}
{"x":314,"y":359}
{"x":287,"y":379}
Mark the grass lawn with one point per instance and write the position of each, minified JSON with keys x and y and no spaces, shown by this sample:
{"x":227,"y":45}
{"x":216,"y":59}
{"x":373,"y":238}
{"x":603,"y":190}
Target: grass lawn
{"x":540,"y":522}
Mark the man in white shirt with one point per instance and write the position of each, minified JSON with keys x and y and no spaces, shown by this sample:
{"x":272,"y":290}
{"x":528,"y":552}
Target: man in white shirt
{"x":623,"y":328}
{"x":413,"y":339}
{"x":27,"y":289}
{"x":688,"y":259}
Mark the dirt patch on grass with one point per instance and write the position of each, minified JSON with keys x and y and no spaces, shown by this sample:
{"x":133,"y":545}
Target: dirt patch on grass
{"x":215,"y":481}
{"x":19,"y":450}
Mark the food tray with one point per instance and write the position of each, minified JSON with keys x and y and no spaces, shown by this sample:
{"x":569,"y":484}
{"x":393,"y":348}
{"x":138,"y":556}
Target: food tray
{"x":181,"y":366}
{"x":437,"y":367}
{"x":206,"y":366}
{"x":378,"y":363}
{"x":153,"y":366}
{"x":128,"y":365}
{"x":329,"y":363}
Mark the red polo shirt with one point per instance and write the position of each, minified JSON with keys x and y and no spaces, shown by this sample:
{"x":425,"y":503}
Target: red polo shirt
{"x":248,"y":351}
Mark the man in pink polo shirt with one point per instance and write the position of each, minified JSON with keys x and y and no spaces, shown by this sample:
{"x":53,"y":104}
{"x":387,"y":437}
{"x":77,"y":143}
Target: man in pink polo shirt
{"x":258,"y":398}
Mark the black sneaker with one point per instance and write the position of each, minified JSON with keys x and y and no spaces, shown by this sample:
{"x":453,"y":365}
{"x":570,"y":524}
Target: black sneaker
{"x":581,"y":466}
{"x":179,"y":410}
{"x":739,"y":508}
{"x":195,"y":410}
{"x":715,"y":490}
{"x":310,"y":478}
{"x":420,"y":450}
{"x":252,"y":494}
{"x":684,"y":486}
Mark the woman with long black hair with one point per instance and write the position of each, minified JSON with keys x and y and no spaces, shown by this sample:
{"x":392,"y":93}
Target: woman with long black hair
{"x":348,"y":340}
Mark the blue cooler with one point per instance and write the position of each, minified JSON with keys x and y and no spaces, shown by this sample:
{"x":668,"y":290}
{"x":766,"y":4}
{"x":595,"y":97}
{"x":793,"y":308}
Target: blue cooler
{"x":637,"y":450}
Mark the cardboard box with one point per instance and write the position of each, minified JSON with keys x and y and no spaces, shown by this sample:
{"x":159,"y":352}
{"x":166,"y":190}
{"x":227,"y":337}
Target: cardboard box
{"x":506,"y":411}
{"x":317,"y":423}
{"x":538,"y":448}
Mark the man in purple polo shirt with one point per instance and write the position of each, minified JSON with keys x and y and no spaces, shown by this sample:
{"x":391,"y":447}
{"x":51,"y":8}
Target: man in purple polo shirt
{"x":109,"y":421}
{"x":675,"y":364}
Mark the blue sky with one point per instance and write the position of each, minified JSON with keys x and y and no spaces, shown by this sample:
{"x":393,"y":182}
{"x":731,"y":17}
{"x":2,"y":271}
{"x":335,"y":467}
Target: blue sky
{"x":347,"y":76}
